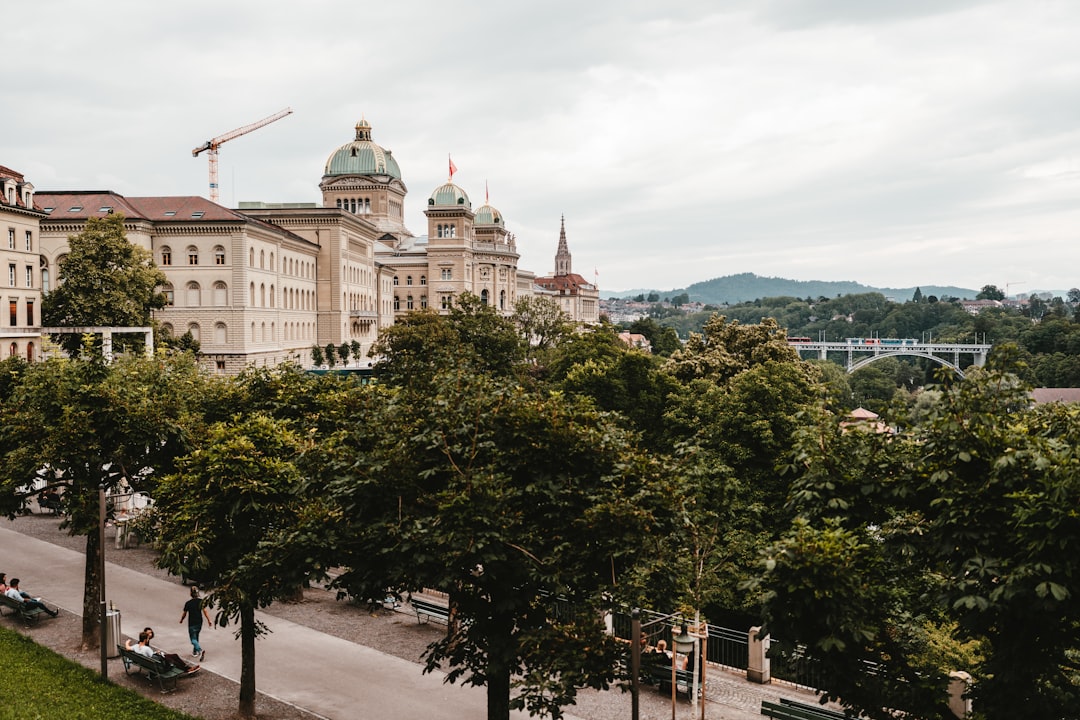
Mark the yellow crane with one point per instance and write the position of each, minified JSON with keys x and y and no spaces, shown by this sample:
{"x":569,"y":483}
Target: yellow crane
{"x":211,"y":146}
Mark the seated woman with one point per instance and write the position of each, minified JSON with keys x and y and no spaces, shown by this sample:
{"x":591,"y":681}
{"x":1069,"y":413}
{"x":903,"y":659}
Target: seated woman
{"x":143,"y":648}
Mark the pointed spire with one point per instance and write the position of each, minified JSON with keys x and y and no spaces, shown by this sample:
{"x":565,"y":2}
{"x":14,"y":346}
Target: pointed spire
{"x":562,"y":256}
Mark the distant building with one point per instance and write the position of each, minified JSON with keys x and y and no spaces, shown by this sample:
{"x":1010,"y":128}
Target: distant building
{"x":577,"y":297}
{"x":264,"y":283}
{"x":1040,"y":396}
{"x":19,"y":225}
{"x":974,"y":307}
{"x":636,"y":340}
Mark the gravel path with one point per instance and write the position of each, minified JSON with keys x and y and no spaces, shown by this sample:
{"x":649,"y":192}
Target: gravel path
{"x":394,"y":633}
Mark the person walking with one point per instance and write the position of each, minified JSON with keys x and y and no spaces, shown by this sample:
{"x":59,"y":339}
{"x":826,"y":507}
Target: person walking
{"x":195,"y":611}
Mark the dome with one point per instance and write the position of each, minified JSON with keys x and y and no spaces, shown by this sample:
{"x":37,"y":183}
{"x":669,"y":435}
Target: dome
{"x":362,"y":157}
{"x":449,"y":195}
{"x":487,"y":215}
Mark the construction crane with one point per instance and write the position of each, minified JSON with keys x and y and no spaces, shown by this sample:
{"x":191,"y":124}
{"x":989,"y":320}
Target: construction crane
{"x":211,"y":146}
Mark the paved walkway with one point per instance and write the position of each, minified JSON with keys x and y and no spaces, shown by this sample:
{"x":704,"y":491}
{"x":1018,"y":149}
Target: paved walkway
{"x":292,"y":662}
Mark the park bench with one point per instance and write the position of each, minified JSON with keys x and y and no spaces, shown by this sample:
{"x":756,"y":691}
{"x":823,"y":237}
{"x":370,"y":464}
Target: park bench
{"x":27,"y":614}
{"x":795,"y":710}
{"x":660,"y":674}
{"x":431,"y":610}
{"x":156,"y":668}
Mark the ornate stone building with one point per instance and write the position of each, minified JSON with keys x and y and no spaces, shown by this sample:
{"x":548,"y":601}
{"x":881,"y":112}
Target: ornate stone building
{"x":577,"y":297}
{"x":19,"y":228}
{"x":263,"y":283}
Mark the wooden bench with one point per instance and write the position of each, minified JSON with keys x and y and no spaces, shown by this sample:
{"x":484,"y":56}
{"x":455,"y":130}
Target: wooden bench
{"x":795,"y":710}
{"x":431,"y":610}
{"x":27,"y":614}
{"x":660,"y":674}
{"x":156,"y":668}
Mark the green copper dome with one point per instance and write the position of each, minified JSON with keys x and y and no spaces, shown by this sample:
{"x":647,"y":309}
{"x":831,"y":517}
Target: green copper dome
{"x":362,"y":157}
{"x":449,"y":195}
{"x":487,"y":215}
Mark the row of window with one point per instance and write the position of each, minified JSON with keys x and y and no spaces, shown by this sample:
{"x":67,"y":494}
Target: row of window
{"x":29,"y":275}
{"x":261,"y":332}
{"x":13,"y":350}
{"x":409,"y":303}
{"x":357,"y":206}
{"x":29,"y":240}
{"x":13,"y":310}
{"x":408,"y":280}
{"x":292,"y":267}
{"x":446,"y":231}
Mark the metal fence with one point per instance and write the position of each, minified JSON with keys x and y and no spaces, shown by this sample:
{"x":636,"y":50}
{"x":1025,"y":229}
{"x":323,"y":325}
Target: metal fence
{"x":724,"y":646}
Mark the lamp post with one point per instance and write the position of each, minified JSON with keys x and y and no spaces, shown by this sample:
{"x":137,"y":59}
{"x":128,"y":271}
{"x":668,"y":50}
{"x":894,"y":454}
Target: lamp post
{"x":102,"y":613}
{"x":683,"y":643}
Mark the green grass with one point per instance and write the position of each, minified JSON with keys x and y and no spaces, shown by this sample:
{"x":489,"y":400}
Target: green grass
{"x":38,"y":684}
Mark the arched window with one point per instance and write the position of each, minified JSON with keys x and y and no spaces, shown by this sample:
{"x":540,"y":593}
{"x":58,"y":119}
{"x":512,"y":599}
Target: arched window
{"x":409,"y":303}
{"x":45,"y":280}
{"x":221,"y":294}
{"x":253,"y":338}
{"x":251,"y":301}
{"x":262,"y":294}
{"x":170,"y":295}
{"x":262,"y":259}
{"x":13,"y":350}
{"x":221,"y":334}
{"x":272,"y":301}
{"x":193,"y":328}
{"x":484,"y":296}
{"x":29,"y":352}
{"x":423,"y":279}
{"x":395,"y":281}
{"x":166,"y":255}
{"x":502,"y":299}
{"x":262,"y":328}
{"x":219,"y":255}
{"x":423,"y":301}
{"x":408,"y":279}
{"x":194,"y":294}
{"x":167,"y":329}
{"x":271,"y":261}
{"x":192,"y":255}
{"x":397,"y":303}
{"x":251,"y":257}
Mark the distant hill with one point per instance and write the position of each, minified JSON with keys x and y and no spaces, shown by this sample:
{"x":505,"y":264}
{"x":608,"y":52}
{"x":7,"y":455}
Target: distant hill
{"x":746,"y":287}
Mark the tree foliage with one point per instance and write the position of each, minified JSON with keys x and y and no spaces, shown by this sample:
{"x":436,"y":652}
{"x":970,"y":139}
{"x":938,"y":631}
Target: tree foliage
{"x":106,"y":280}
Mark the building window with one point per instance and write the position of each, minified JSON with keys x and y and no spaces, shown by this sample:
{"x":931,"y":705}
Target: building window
{"x":409,"y":303}
{"x":445,"y":301}
{"x":221,"y":335}
{"x":408,"y":279}
{"x":166,"y":255}
{"x":397,"y":303}
{"x":170,"y":295}
{"x":221,"y":294}
{"x":45,"y":280}
{"x":219,"y":255}
{"x":29,"y":241}
{"x":194,"y":295}
{"x":423,"y":302}
{"x":395,"y":281}
{"x":13,"y":308}
{"x":502,"y":299}
{"x":29,"y":276}
{"x":11,"y":238}
{"x":446,"y":274}
{"x":11,"y":275}
{"x":30,"y":313}
{"x":423,"y":279}
{"x":192,"y":256}
{"x":484,"y":296}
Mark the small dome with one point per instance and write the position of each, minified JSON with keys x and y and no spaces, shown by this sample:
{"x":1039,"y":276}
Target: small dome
{"x":362,"y":157}
{"x":487,"y":215}
{"x":449,"y":195}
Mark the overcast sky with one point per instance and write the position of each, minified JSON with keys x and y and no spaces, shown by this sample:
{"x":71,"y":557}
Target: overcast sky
{"x":889,"y":142}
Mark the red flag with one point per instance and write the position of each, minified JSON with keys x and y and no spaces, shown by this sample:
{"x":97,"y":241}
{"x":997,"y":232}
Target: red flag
{"x":487,"y":198}
{"x":453,"y":167}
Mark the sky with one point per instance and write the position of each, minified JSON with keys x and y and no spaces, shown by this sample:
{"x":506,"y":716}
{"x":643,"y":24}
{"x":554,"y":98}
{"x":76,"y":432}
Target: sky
{"x":895,"y":144}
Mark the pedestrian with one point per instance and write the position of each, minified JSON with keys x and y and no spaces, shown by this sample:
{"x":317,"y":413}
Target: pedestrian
{"x":15,"y":593}
{"x":195,"y":611}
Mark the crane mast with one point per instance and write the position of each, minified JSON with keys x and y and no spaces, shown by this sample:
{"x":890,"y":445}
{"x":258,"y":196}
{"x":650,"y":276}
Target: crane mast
{"x":211,"y":146}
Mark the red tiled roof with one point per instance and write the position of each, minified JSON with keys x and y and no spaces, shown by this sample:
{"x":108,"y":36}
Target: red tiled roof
{"x":572,"y":282}
{"x":79,"y":205}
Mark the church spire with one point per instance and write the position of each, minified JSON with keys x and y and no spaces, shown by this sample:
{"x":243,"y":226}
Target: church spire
{"x":562,"y":257}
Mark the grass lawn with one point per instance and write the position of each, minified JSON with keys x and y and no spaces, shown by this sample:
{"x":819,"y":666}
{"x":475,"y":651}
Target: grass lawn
{"x":38,"y":684}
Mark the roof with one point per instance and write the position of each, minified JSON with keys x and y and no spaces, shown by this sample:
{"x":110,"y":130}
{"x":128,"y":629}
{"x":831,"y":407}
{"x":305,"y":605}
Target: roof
{"x":83,"y":204}
{"x":572,"y":283}
{"x":449,"y":195}
{"x":1060,"y":395}
{"x":487,"y":215}
{"x":362,"y":157}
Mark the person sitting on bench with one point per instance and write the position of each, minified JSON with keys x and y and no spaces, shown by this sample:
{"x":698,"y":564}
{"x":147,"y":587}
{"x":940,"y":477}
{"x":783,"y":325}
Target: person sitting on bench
{"x":143,"y":648}
{"x":15,"y":593}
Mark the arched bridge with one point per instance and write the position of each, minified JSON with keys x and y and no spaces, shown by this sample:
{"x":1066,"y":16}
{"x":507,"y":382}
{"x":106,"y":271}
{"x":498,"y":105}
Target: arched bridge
{"x":860,"y":352}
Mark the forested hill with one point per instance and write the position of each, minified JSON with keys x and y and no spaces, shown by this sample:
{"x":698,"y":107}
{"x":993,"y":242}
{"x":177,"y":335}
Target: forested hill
{"x":747,"y":287}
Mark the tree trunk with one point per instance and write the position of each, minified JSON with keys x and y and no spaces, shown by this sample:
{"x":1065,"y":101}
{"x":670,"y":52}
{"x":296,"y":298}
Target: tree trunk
{"x":247,"y":661}
{"x":501,"y":652}
{"x":91,"y":616}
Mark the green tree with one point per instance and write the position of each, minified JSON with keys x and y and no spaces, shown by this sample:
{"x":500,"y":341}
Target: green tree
{"x":344,"y":351}
{"x":515,"y":503}
{"x":990,"y":292}
{"x":917,"y":296}
{"x":236,"y":492}
{"x":107,"y":281}
{"x":330,"y":351}
{"x":317,"y":358}
{"x":83,"y":425}
{"x":542,"y":324}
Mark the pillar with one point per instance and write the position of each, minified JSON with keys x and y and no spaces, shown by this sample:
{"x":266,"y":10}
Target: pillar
{"x":758,"y":668}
